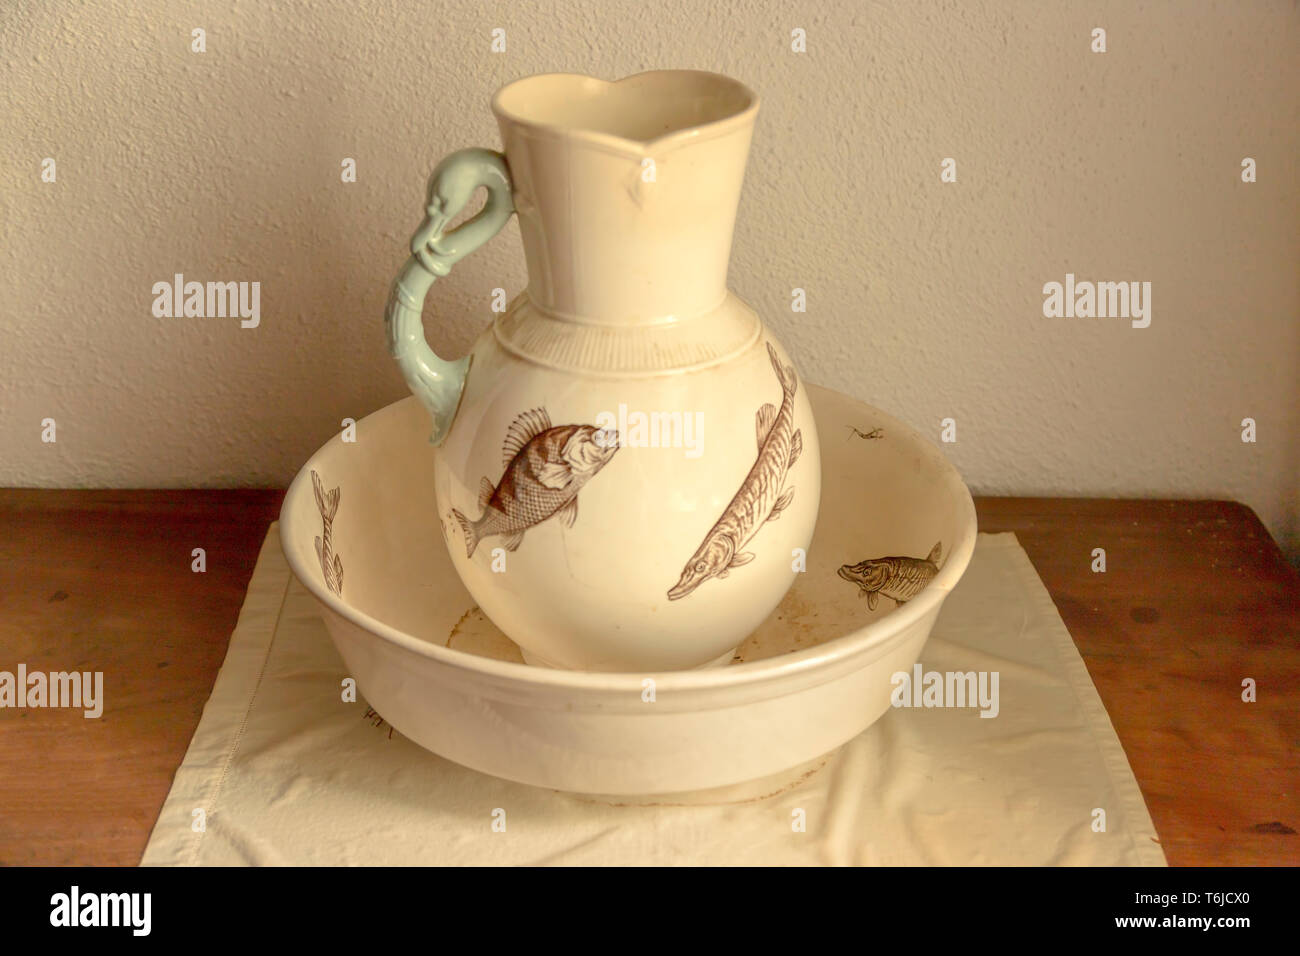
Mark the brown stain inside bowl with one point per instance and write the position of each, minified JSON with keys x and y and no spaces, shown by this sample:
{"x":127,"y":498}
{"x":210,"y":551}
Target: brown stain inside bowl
{"x":798,"y":622}
{"x":475,"y":634}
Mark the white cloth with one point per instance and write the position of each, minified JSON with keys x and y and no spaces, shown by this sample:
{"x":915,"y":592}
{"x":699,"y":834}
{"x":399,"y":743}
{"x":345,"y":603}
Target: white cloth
{"x":285,"y":772}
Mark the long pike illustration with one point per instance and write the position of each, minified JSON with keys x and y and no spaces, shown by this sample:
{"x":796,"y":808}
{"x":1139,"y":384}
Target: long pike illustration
{"x":761,"y":497}
{"x":898,"y":578}
{"x":545,"y":468}
{"x":330,"y":563}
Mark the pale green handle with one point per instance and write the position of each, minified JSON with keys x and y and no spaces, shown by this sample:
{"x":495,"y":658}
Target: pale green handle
{"x":436,"y":383}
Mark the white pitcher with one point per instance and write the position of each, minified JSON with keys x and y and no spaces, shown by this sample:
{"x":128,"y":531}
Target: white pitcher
{"x":627,"y":470}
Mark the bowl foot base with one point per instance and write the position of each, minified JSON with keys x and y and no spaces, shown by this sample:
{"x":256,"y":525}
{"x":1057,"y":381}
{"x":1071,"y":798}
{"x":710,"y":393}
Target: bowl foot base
{"x":748,"y":791}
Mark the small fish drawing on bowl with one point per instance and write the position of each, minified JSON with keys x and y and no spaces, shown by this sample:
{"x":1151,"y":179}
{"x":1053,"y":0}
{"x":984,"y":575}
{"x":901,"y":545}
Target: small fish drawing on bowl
{"x":545,"y":468}
{"x":898,"y":578}
{"x":331,"y":564}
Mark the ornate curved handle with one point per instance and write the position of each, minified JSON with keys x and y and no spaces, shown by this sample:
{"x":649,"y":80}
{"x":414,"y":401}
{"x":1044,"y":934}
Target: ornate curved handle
{"x":436,"y":383}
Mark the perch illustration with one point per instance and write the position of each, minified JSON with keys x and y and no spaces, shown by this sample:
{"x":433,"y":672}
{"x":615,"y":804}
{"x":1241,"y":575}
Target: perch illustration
{"x":545,"y":468}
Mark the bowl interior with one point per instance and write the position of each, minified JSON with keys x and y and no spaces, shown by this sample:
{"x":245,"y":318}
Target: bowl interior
{"x":886,"y":492}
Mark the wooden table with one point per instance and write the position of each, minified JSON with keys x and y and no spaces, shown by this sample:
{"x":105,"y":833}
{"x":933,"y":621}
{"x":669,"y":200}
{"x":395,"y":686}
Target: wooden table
{"x":1196,"y":597}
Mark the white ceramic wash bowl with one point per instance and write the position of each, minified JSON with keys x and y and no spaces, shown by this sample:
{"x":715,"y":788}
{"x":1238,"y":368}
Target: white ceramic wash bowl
{"x":815,"y":673}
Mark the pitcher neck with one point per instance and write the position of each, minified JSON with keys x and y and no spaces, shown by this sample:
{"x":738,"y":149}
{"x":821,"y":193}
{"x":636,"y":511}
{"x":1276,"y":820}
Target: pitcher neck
{"x":623,"y":232}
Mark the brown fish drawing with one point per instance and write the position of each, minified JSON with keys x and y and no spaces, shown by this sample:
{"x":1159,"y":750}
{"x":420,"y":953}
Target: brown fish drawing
{"x":330,"y":563}
{"x":897,"y":578}
{"x":761,"y":497}
{"x":545,"y":468}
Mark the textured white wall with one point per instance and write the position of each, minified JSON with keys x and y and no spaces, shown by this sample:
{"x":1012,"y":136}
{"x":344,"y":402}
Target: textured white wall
{"x":924,"y":298}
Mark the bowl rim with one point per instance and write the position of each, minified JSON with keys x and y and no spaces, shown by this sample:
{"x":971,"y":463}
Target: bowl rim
{"x":827,"y":655}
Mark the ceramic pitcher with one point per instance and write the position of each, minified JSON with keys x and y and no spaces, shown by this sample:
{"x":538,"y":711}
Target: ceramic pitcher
{"x":627,"y":470}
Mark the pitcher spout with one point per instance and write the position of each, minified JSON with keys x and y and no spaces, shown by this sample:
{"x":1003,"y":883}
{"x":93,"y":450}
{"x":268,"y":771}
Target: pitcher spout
{"x":627,"y":191}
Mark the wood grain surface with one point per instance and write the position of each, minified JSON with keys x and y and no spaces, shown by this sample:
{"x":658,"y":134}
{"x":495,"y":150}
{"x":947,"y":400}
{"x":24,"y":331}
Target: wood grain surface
{"x":1196,"y":597}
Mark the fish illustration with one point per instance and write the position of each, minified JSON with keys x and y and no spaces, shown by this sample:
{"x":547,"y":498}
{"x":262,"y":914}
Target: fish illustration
{"x":545,"y":468}
{"x":761,"y":497}
{"x":330,"y":563}
{"x":897,"y":578}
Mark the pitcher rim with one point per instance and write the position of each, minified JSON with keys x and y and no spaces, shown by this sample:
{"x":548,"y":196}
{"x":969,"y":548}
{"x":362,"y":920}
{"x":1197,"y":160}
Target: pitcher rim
{"x":627,"y":144}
